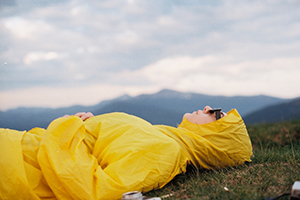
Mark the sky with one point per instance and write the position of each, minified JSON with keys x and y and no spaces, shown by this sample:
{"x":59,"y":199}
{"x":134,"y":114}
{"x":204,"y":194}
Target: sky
{"x":60,"y":53}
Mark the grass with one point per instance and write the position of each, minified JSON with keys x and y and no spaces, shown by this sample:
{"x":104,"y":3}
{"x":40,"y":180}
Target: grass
{"x":274,"y":168}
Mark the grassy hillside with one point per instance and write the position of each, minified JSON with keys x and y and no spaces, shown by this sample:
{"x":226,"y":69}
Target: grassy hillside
{"x":274,"y":168}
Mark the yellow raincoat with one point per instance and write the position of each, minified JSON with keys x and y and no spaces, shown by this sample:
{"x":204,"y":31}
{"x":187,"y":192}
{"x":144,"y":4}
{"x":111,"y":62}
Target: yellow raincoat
{"x":111,"y":154}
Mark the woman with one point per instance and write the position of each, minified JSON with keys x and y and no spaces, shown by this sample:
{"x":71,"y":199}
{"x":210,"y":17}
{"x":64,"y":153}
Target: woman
{"x":101,"y":157}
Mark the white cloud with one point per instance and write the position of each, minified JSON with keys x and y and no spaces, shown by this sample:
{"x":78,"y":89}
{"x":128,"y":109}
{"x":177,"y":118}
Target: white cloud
{"x":167,"y":21}
{"x":238,"y":10}
{"x":36,"y":56}
{"x":128,"y":37}
{"x":222,"y":76}
{"x":26,"y":29}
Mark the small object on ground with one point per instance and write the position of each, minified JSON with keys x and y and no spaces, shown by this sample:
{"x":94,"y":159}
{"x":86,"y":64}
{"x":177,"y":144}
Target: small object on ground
{"x":134,"y":195}
{"x":295,"y":194}
{"x":151,"y":198}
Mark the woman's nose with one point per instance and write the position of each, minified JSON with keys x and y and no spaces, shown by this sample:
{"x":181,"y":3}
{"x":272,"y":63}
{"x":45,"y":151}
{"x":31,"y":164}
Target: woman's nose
{"x":206,"y":109}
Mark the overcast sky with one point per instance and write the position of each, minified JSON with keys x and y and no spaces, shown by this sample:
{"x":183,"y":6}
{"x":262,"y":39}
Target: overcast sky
{"x":64,"y":52}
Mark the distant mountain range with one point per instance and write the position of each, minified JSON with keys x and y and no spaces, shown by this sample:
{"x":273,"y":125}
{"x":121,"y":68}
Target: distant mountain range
{"x":165,"y":107}
{"x":279,"y":112}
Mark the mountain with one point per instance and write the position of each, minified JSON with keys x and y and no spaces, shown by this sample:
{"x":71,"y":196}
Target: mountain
{"x":165,"y":107}
{"x":188,"y":102}
{"x":280,"y":112}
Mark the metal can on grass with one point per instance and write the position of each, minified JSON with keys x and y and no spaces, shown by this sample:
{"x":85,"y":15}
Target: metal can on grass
{"x":134,"y":195}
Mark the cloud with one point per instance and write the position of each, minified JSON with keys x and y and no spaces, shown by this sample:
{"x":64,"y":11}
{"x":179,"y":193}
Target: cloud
{"x":220,"y":75}
{"x":36,"y":56}
{"x":5,"y":3}
{"x":209,"y":75}
{"x":140,"y":45}
{"x":26,"y":29}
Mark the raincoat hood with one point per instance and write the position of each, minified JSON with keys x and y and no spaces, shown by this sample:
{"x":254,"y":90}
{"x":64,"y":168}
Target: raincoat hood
{"x":228,"y":134}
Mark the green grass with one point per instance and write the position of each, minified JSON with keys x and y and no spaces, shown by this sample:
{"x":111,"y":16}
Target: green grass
{"x":274,"y":168}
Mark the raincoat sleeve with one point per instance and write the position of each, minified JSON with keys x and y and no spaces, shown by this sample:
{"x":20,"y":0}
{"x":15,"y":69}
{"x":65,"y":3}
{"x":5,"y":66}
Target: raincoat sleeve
{"x":20,"y":173}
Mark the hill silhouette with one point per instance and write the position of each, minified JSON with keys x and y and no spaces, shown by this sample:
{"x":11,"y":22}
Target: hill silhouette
{"x":275,"y":113}
{"x":165,"y":107}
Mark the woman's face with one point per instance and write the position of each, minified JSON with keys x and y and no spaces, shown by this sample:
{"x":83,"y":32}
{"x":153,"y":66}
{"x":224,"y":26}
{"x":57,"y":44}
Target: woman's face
{"x":201,"y":116}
